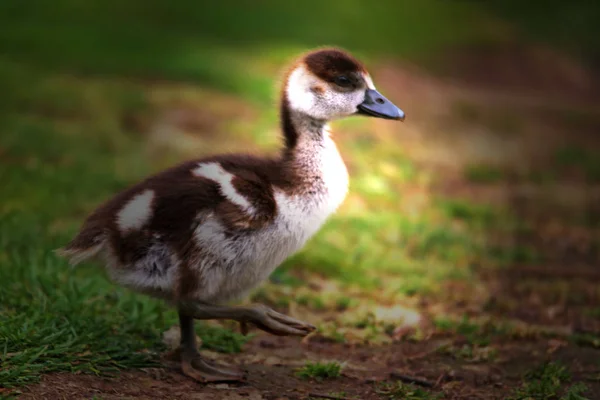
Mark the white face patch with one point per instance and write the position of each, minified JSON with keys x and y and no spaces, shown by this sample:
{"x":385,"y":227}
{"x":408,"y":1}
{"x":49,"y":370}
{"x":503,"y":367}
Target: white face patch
{"x":215,"y":172}
{"x":369,"y":81}
{"x":325,"y":105}
{"x":137,"y":212}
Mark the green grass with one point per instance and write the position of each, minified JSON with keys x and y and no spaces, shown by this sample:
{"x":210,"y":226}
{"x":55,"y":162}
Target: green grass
{"x":320,"y":371}
{"x":474,"y":332}
{"x":547,"y":382}
{"x":575,"y":392}
{"x":222,"y":340}
{"x":358,"y":249}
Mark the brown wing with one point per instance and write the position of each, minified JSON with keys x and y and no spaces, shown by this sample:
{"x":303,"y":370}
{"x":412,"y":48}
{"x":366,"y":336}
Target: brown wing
{"x":178,"y":199}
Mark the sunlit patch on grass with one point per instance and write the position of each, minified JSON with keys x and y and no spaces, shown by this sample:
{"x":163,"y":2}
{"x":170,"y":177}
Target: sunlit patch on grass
{"x":372,"y":185}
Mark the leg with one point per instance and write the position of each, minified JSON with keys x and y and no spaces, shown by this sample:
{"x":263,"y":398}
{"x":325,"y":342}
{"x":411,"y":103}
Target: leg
{"x":263,"y":317}
{"x":192,"y":363}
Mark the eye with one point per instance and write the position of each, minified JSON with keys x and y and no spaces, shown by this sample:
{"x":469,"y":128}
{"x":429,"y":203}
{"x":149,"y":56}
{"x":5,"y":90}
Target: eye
{"x":343,"y":80}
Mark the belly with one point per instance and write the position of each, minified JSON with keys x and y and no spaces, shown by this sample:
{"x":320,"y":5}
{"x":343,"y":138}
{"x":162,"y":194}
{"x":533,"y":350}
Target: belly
{"x":240,"y":263}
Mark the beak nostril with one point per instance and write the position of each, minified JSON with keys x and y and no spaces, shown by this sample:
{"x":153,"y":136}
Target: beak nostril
{"x":379,"y":100}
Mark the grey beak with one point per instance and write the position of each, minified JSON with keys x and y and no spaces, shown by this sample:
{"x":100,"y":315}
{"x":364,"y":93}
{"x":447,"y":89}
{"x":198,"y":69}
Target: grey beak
{"x":375,"y":105}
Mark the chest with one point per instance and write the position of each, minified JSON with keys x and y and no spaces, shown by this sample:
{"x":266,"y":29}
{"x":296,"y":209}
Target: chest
{"x":301,"y":213}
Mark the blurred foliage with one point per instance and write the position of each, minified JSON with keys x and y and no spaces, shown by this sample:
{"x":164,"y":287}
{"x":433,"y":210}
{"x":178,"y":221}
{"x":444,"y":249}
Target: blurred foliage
{"x":571,"y":25}
{"x":211,"y":42}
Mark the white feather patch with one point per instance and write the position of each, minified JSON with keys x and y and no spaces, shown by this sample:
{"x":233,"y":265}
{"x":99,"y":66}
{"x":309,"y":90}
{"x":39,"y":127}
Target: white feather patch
{"x":298,"y":90}
{"x":137,"y":212}
{"x":369,"y":81}
{"x":215,"y":172}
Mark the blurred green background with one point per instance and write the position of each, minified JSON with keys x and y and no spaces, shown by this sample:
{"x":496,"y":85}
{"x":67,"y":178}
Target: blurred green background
{"x":96,"y":95}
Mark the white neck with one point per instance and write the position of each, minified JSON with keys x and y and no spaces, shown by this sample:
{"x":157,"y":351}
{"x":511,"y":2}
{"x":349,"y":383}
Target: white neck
{"x":309,"y":129}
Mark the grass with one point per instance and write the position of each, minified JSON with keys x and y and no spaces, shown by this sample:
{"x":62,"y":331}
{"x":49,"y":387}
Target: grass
{"x":475,"y":333}
{"x":546,"y":382}
{"x":320,"y":371}
{"x":222,"y":340}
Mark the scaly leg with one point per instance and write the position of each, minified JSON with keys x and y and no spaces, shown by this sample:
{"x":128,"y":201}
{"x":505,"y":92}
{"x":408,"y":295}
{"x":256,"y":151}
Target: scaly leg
{"x":193,"y":364}
{"x":263,"y":317}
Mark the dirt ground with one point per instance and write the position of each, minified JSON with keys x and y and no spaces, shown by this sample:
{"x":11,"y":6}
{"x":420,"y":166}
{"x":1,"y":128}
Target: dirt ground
{"x":270,"y":363}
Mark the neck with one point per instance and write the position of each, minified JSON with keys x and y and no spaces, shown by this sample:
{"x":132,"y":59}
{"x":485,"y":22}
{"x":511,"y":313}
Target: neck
{"x":299,"y":128}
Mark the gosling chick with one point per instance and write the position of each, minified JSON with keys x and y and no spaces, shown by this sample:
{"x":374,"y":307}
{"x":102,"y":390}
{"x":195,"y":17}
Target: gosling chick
{"x":206,"y":232}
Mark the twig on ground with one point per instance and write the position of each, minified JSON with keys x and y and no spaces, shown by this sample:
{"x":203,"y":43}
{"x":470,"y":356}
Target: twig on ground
{"x":440,"y":379}
{"x":411,"y":379}
{"x":326,"y":396}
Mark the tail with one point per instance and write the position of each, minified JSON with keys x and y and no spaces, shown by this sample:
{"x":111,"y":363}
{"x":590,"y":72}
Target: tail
{"x":77,"y":255}
{"x":86,"y":245}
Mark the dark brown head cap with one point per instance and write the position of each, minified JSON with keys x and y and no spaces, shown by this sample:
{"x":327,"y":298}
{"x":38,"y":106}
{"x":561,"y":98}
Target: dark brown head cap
{"x":328,"y":63}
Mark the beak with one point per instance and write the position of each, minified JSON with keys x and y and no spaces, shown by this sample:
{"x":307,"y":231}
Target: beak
{"x":375,"y":105}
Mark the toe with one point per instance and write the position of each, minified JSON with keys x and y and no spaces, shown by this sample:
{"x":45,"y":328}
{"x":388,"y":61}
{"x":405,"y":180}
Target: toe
{"x":272,"y":326}
{"x":278,"y":324}
{"x":203,"y":376}
{"x":210,"y":367}
{"x":284,"y":319}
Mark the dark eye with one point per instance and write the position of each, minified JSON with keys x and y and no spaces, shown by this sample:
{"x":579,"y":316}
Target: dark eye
{"x":342,"y":80}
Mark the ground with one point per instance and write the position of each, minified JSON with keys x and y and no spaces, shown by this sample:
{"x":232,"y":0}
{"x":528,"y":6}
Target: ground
{"x":464,"y":263}
{"x":271,"y":364}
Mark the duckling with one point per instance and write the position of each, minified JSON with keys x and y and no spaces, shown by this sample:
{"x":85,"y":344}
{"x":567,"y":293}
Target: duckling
{"x":206,"y":232}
